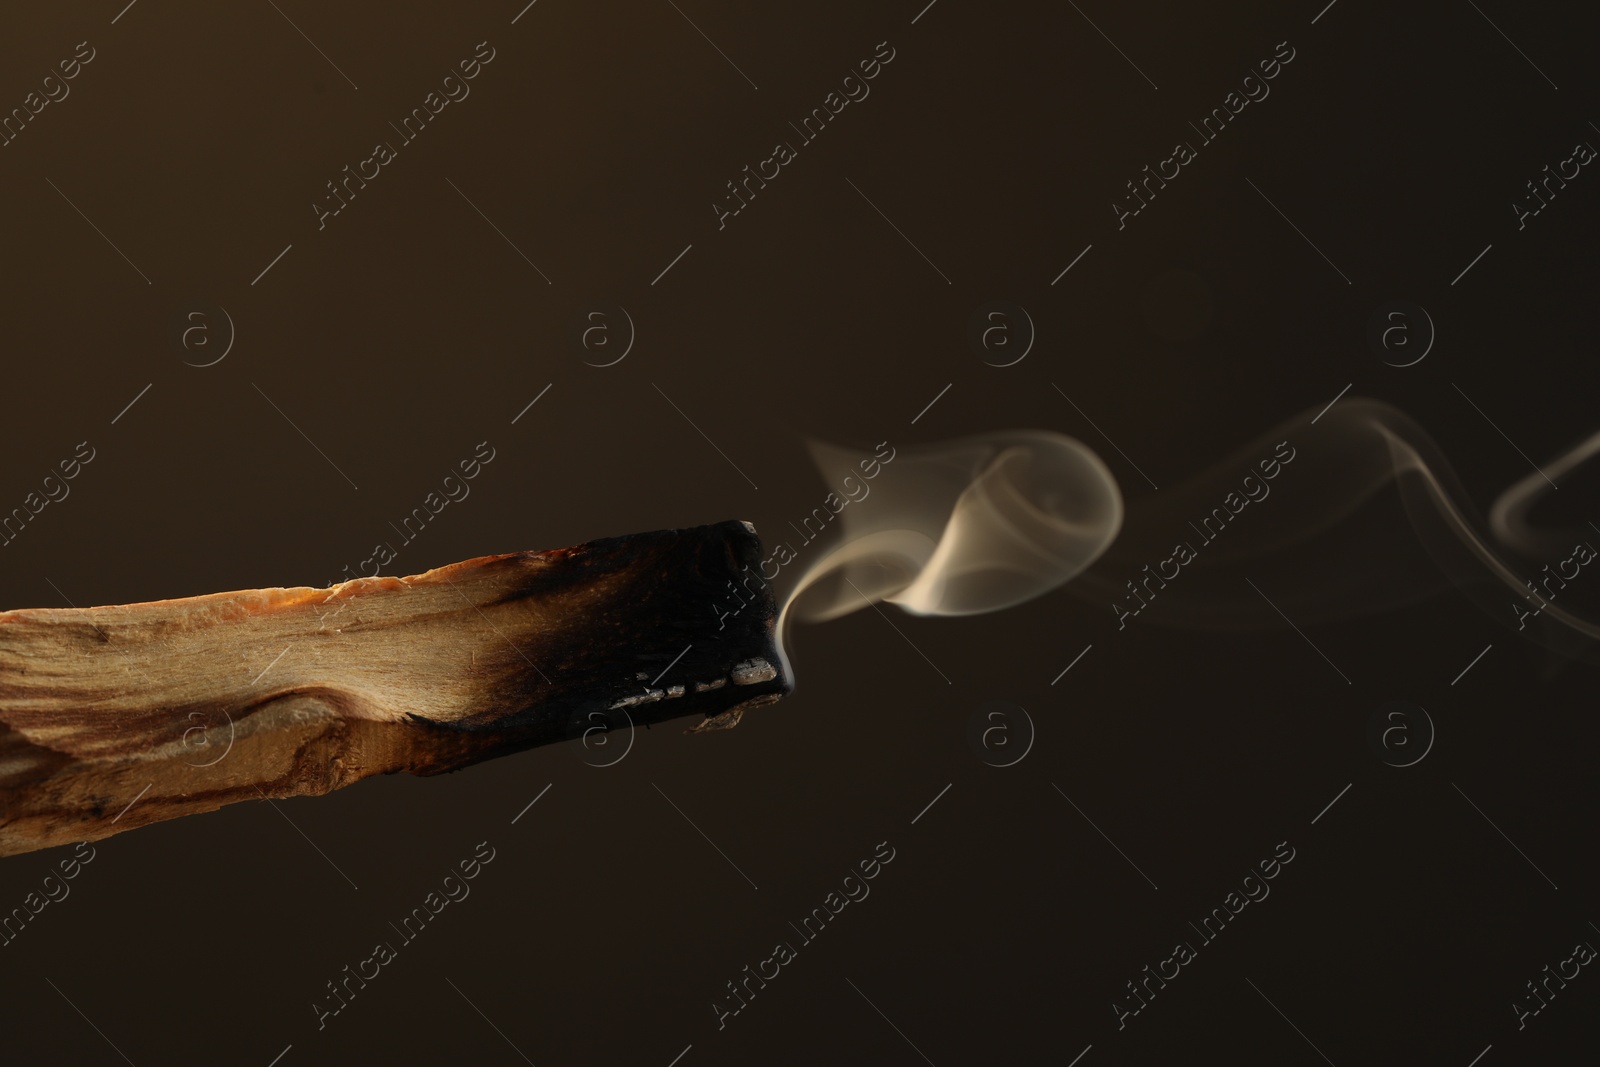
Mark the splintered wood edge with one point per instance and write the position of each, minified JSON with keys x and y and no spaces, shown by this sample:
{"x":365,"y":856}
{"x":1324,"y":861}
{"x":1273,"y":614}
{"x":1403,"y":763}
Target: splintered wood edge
{"x":727,"y":720}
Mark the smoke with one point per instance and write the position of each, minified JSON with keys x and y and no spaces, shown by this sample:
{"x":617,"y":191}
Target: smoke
{"x":1368,"y":518}
{"x":1509,"y":517}
{"x":967,"y":526}
{"x":1365,"y":515}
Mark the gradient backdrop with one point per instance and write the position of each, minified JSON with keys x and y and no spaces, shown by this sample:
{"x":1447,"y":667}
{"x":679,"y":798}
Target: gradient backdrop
{"x":178,"y":177}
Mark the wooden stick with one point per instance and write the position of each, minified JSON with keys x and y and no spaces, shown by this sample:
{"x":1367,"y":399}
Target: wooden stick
{"x":117,"y":717}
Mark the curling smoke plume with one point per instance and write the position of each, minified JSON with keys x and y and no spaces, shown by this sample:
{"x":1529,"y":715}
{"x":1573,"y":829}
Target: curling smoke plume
{"x":986,"y":522}
{"x":966,"y":526}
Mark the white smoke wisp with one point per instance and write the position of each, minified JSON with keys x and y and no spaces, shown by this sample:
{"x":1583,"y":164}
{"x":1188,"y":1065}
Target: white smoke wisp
{"x":1332,"y":545}
{"x":1508,"y":518}
{"x":962,"y":527}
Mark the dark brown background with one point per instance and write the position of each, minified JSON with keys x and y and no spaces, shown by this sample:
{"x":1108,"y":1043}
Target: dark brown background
{"x":407,"y":331}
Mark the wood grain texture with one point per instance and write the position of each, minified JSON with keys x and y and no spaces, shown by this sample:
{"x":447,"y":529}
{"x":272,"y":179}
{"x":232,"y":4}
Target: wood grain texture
{"x":181,"y":706}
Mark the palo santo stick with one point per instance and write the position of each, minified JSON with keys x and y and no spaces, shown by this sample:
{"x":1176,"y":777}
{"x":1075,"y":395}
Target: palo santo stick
{"x":117,"y":717}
